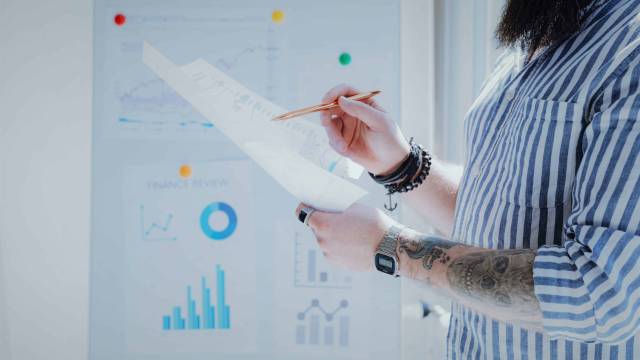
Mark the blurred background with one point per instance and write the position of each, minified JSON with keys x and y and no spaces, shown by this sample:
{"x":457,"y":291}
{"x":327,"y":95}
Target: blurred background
{"x":61,"y":166}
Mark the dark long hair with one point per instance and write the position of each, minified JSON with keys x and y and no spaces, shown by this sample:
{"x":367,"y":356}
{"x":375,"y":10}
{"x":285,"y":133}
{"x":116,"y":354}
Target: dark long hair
{"x":533,"y":24}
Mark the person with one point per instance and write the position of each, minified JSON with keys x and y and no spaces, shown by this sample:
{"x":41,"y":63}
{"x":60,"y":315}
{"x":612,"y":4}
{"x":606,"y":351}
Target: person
{"x":541,"y":232}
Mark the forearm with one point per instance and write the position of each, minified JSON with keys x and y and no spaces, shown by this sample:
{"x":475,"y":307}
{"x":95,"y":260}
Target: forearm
{"x":498,"y":283}
{"x":435,"y":199}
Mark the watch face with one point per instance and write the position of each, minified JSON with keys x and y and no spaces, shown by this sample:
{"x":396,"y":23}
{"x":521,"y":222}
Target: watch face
{"x":386,"y":264}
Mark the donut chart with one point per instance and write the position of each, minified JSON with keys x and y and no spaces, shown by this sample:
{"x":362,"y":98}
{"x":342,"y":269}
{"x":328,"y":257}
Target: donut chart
{"x":215,"y":234}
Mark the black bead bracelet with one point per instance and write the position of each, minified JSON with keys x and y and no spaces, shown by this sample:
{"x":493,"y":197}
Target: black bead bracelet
{"x":410,"y":174}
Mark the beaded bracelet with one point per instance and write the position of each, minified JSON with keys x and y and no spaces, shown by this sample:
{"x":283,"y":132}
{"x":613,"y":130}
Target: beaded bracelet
{"x":398,"y":174}
{"x":410,"y":174}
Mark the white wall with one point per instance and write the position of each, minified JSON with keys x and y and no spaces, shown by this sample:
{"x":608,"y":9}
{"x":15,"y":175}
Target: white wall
{"x":421,"y":338}
{"x":466,"y":51}
{"x":45,"y":98}
{"x":4,"y":325}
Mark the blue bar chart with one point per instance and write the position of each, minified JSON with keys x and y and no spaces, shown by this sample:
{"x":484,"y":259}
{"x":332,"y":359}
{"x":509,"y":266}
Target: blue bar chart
{"x":205,"y":316}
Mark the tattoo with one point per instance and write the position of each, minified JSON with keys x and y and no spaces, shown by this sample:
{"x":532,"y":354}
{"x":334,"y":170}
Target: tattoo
{"x":429,"y":249}
{"x":503,"y":278}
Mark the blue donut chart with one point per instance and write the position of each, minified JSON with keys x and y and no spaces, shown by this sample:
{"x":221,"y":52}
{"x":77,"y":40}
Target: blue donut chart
{"x":212,"y":233}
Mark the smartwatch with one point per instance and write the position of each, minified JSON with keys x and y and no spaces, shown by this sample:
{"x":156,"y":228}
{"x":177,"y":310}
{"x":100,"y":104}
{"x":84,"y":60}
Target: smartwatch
{"x":386,"y":257}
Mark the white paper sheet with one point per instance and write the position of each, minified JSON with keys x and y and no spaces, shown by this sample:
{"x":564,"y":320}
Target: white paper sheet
{"x":295,"y":153}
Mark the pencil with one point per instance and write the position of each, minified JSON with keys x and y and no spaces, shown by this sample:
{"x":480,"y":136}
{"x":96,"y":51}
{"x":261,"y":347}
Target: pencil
{"x":323,"y":107}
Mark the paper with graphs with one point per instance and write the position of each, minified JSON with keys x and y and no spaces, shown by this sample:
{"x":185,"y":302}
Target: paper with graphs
{"x":295,"y":153}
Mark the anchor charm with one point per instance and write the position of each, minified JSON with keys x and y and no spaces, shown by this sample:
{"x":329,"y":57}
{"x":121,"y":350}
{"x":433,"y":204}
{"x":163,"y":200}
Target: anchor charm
{"x":392,"y":206}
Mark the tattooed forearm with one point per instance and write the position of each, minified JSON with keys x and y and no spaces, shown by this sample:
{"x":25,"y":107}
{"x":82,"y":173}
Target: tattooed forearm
{"x":429,"y":249}
{"x":496,"y":282}
{"x":499,"y":277}
{"x":479,"y":278}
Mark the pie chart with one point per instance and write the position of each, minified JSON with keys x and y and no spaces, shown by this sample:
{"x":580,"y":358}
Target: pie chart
{"x":224,"y":232}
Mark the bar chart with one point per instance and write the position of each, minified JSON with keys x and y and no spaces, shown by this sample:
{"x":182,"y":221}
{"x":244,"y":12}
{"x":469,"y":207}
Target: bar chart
{"x":318,"y":326}
{"x":311,"y":269}
{"x":203,"y":317}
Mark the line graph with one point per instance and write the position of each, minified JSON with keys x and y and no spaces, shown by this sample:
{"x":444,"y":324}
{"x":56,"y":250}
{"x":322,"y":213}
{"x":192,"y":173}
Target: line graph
{"x":144,"y":106}
{"x":188,"y":123}
{"x":156,"y":231}
{"x":316,"y":318}
{"x":152,"y":104}
{"x":152,"y":94}
{"x":231,"y":62}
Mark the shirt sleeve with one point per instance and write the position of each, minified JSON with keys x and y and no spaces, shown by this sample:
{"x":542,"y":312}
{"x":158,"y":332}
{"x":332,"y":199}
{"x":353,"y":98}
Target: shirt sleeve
{"x":589,"y":288}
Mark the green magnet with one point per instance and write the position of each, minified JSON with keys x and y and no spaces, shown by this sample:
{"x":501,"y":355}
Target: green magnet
{"x":345,"y":58}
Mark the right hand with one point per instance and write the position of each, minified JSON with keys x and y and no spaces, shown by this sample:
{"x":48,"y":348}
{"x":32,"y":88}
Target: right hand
{"x":364,"y":132}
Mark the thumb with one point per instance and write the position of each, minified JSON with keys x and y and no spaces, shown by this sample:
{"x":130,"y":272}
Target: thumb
{"x":319,"y":221}
{"x":374,"y":118}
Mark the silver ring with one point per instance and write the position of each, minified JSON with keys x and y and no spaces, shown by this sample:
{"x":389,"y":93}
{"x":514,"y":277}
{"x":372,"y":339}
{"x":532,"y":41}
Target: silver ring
{"x":305,"y":214}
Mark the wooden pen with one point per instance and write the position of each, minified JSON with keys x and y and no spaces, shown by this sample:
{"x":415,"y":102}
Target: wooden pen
{"x":323,"y":107}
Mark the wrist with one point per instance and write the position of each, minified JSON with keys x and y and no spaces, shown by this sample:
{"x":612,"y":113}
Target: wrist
{"x":410,"y":174}
{"x":407,"y":267}
{"x":395,"y":162}
{"x":424,"y":257}
{"x":386,"y":254}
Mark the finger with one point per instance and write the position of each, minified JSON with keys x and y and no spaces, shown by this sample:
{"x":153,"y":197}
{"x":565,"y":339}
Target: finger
{"x":327,"y":116}
{"x":347,"y":90}
{"x":318,"y":222}
{"x":335,"y":112}
{"x":355,"y":134}
{"x":315,"y":225}
{"x":333,"y":128}
{"x":337,"y":91}
{"x":372,"y":117}
{"x":321,"y":243}
{"x":300,"y":207}
{"x":374,"y":104}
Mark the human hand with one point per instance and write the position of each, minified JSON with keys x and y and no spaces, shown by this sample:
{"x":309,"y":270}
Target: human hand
{"x":364,"y":132}
{"x":350,"y":238}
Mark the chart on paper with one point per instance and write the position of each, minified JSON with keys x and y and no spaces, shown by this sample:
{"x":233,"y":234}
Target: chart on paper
{"x":322,"y":326}
{"x":143,"y":106}
{"x":204,"y":316}
{"x":310,"y":268}
{"x":187,"y":226}
{"x":151,"y":230}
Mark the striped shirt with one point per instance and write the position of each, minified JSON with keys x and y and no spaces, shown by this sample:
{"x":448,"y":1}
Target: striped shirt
{"x":552,"y":163}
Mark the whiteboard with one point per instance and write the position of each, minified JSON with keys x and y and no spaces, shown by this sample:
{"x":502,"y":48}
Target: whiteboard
{"x":195,"y":251}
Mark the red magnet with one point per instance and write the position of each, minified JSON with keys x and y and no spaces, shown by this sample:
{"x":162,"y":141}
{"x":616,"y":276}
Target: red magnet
{"x":119,"y":19}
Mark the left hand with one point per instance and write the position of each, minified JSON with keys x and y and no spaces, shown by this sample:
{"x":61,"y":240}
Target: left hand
{"x":350,"y":238}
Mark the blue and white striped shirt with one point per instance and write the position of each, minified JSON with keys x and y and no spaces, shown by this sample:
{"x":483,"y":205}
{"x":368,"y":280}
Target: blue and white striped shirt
{"x":553,"y":163}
